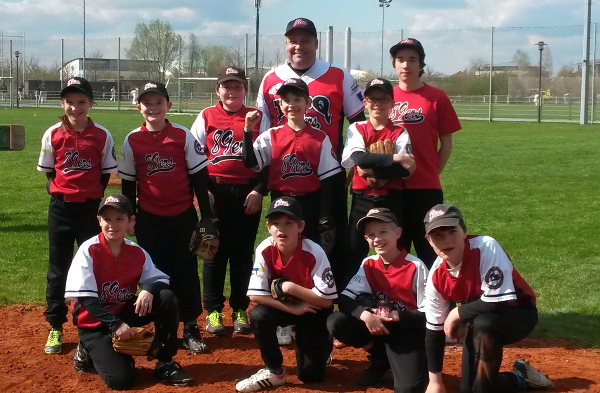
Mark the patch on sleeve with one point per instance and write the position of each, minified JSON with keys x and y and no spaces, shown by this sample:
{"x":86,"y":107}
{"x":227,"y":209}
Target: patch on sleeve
{"x":258,"y":271}
{"x":198,"y":148}
{"x":327,"y":277}
{"x":494,"y":278}
{"x":114,"y":153}
{"x":357,"y":278}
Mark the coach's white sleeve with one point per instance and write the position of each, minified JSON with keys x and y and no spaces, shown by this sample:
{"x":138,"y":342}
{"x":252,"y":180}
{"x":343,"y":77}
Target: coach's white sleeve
{"x":353,"y":96}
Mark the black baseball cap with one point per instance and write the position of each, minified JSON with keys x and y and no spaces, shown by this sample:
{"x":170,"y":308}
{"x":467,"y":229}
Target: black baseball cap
{"x":377,"y":213}
{"x":232,"y":74}
{"x":302,"y":23}
{"x":380,"y":83}
{"x":409,"y":43}
{"x":119,"y":202}
{"x":78,"y":85}
{"x":293,"y":84}
{"x":154,"y":87}
{"x":285,"y":205}
{"x":442,"y":215}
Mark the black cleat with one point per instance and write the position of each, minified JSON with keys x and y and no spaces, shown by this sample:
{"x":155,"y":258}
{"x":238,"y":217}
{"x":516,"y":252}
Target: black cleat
{"x":172,"y":373}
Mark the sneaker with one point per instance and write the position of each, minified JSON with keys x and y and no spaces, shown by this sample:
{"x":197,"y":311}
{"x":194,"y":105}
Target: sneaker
{"x":81,"y":360}
{"x":372,"y":375}
{"x":240,"y":322}
{"x":284,"y":335}
{"x":172,"y":372}
{"x":192,"y":340}
{"x":533,"y":378}
{"x":54,"y":342}
{"x":263,"y":379}
{"x":214,"y":323}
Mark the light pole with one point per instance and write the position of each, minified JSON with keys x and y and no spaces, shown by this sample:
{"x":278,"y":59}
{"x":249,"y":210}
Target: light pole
{"x":17,"y":53}
{"x":257,"y":5}
{"x":383,"y":4}
{"x":540,"y":100}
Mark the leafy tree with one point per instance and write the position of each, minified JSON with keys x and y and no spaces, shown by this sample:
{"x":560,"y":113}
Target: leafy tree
{"x":193,"y":54}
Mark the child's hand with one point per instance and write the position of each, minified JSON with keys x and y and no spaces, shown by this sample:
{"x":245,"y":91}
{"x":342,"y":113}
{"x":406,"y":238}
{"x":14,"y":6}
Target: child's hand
{"x":124,"y":332}
{"x":302,"y":308}
{"x":451,"y":324}
{"x":407,"y":161}
{"x":143,"y":304}
{"x":253,"y":202}
{"x":252,"y":118}
{"x":375,"y":323}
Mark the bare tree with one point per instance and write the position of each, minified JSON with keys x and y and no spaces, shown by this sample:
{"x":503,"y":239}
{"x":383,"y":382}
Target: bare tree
{"x":193,"y":54}
{"x":547,"y":61}
{"x":477,"y":64}
{"x":95,"y":66}
{"x":522,"y":60}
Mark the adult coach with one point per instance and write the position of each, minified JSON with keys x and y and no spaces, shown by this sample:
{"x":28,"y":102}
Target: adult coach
{"x":335,"y":95}
{"x":427,"y":113}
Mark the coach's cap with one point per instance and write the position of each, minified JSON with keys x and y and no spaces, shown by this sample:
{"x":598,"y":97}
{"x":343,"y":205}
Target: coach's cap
{"x":442,"y":215}
{"x":231,"y":74}
{"x":409,"y":43}
{"x":154,"y":87}
{"x":377,"y":213}
{"x":119,"y":202}
{"x":78,"y":85}
{"x":302,"y":23}
{"x":286,"y":205}
{"x":293,"y":84}
{"x":382,"y":84}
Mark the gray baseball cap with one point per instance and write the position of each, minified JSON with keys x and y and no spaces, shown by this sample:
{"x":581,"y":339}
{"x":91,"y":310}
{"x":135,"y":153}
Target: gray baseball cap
{"x":442,"y":215}
{"x":379,"y":214}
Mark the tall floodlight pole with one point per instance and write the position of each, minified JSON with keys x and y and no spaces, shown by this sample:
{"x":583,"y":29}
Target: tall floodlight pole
{"x":585,"y":65}
{"x":84,"y":38}
{"x":257,"y":5}
{"x":17,"y":53}
{"x":383,"y":4}
{"x":540,"y":100}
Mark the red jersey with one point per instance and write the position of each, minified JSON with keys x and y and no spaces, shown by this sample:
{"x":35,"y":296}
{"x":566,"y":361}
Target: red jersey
{"x":96,"y":272}
{"x":160,"y":163}
{"x":220,"y":135}
{"x":334,"y":94}
{"x":299,"y":160}
{"x":427,"y":114}
{"x":78,"y":158}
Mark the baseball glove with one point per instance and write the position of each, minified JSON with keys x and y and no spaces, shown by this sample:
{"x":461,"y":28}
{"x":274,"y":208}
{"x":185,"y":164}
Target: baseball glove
{"x":326,"y":234}
{"x":278,"y":294}
{"x":205,"y":239}
{"x":141,"y":344}
{"x":386,"y":146}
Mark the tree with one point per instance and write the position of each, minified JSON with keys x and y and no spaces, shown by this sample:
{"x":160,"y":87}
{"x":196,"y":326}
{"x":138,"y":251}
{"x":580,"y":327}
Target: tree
{"x":154,"y":48}
{"x":477,"y":64}
{"x":95,"y":66}
{"x":547,"y":61}
{"x":193,"y":54}
{"x":522,"y":60}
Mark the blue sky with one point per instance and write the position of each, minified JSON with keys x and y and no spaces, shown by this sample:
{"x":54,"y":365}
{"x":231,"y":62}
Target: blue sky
{"x":454,"y":32}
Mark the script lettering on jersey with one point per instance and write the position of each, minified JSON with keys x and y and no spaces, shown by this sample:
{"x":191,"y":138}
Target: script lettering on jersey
{"x":291,"y":167}
{"x":225,"y":147}
{"x":156,"y":164}
{"x":401,"y":113}
{"x":75,"y":163}
{"x":111,"y":293}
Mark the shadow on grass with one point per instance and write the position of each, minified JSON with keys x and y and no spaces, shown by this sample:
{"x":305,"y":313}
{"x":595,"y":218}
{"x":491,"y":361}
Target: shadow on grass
{"x":573,"y":329}
{"x":24,"y":228}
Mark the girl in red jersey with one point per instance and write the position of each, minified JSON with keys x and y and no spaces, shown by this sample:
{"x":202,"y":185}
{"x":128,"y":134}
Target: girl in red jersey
{"x":77,"y":156}
{"x":494,"y":303}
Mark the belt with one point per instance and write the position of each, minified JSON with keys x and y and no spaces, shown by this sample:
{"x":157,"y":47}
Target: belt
{"x":229,"y":180}
{"x":72,"y":198}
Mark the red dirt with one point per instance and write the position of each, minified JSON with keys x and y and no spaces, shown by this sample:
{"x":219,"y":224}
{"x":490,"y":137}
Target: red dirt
{"x":26,"y":368}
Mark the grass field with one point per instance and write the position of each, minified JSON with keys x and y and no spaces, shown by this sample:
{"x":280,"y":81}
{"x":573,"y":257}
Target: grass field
{"x":531,"y":186}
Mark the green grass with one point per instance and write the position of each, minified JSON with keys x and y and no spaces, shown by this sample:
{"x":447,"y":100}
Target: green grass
{"x":531,"y":186}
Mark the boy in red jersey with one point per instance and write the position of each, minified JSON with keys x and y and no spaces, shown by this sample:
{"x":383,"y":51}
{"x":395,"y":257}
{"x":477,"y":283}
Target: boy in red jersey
{"x":286,"y":253}
{"x":238,"y":193}
{"x":493,"y":301}
{"x":164,"y":165}
{"x":103,"y":281}
{"x":394,"y":280}
{"x":77,"y":156}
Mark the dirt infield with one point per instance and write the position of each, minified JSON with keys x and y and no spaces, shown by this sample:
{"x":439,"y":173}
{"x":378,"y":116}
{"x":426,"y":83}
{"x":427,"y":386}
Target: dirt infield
{"x":26,"y":368}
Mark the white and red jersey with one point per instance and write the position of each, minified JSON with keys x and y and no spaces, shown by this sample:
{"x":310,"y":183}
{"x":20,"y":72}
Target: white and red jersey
{"x":402,"y":283}
{"x":299,"y":160}
{"x":485,"y":273}
{"x":334,"y":94}
{"x":361,"y":135}
{"x":78,"y":158}
{"x":220,"y":135}
{"x":160,"y":163}
{"x":308,"y":267}
{"x":96,"y":272}
{"x":427,"y":114}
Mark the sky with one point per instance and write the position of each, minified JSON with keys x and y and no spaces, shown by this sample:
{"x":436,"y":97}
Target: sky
{"x":454,"y":32}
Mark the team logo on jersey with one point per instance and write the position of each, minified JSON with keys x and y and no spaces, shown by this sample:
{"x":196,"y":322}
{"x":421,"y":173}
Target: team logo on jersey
{"x":333,"y":154}
{"x":494,"y":278}
{"x":402,"y":114}
{"x":322,"y":106}
{"x":74,"y":163}
{"x":110,"y":292}
{"x":327,"y":277}
{"x":155,"y":164}
{"x":396,"y":304}
{"x":198,"y":148}
{"x":292,"y":167}
{"x":225,"y":147}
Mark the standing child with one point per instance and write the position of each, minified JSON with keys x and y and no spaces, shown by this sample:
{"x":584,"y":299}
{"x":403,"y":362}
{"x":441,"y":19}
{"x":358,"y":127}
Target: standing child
{"x":494,"y":303}
{"x":102,"y":281}
{"x":78,"y":157}
{"x":382,"y":308}
{"x":308,"y":278}
{"x":165,"y":165}
{"x":374,"y":183}
{"x":238,"y":194}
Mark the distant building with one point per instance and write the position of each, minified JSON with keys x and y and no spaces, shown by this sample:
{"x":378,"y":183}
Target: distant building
{"x":130,"y":69}
{"x":510,"y":67}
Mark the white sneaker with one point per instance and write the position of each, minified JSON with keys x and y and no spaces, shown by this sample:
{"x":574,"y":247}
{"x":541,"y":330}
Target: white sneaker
{"x":534,"y":378}
{"x":263,"y":379}
{"x":284,"y":335}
